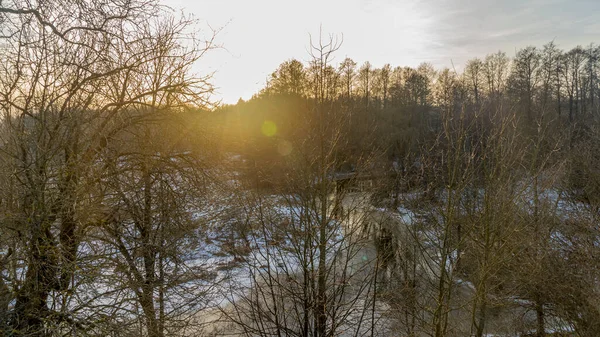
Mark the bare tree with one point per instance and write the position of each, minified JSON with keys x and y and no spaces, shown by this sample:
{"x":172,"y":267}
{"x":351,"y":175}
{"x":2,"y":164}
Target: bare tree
{"x":311,"y":272}
{"x":572,"y":62}
{"x":365,"y":78}
{"x":348,"y":73}
{"x":473,"y":75}
{"x":70,"y":83}
{"x":524,"y":78}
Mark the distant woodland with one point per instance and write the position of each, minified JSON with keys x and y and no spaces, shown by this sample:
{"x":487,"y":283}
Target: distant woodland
{"x":342,"y":199}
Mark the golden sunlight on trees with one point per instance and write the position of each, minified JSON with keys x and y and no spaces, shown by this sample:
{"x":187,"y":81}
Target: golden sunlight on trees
{"x":469,"y":193}
{"x":77,"y":93}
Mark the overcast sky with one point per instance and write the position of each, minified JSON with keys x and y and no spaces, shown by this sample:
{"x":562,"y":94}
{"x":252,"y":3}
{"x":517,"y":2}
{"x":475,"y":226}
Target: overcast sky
{"x":258,"y":35}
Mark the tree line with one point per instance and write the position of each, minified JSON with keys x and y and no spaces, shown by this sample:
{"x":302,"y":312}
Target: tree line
{"x":491,"y":171}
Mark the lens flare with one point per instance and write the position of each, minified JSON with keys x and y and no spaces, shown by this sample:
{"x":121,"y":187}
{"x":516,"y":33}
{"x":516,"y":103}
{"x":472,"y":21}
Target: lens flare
{"x":284,"y":147}
{"x":268,"y":128}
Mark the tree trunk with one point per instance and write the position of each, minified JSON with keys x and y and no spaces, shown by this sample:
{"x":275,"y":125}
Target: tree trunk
{"x":539,"y":311}
{"x":321,"y":311}
{"x":40,"y":279}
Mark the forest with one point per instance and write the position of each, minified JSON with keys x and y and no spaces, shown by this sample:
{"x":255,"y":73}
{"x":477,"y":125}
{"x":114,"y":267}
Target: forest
{"x":342,"y":199}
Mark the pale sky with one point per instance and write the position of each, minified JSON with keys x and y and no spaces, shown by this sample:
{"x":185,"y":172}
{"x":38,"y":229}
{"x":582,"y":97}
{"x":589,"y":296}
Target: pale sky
{"x":258,"y":35}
